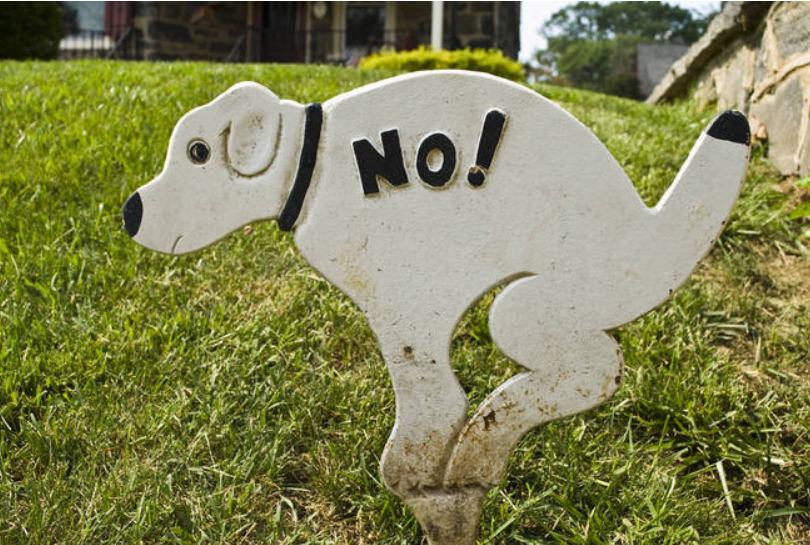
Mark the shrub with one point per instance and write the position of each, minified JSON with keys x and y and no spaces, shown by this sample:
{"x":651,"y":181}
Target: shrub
{"x":491,"y":61}
{"x":30,"y":30}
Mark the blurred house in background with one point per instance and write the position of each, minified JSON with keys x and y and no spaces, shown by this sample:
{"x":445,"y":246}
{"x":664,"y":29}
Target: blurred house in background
{"x":306,"y":32}
{"x":84,"y":35}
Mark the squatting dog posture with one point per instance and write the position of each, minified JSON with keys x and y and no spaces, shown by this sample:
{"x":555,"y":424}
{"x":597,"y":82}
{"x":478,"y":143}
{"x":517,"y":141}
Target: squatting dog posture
{"x":419,"y":194}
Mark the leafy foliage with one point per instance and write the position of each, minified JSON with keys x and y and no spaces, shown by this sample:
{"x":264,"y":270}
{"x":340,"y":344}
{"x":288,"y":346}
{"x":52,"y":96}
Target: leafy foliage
{"x":479,"y":60}
{"x":30,"y":30}
{"x":655,"y":21}
{"x":593,"y":46}
{"x":234,"y":397}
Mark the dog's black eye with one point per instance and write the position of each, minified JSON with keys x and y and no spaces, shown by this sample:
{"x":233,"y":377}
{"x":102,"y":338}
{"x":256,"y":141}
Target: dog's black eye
{"x":198,"y":152}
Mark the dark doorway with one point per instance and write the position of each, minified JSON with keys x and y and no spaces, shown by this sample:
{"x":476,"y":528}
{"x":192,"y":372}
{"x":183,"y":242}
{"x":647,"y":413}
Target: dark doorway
{"x":365,"y":27}
{"x":281,"y":41}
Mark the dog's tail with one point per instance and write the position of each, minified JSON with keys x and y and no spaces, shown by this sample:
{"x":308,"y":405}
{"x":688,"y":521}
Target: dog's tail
{"x":659,"y":248}
{"x":681,"y":229}
{"x":694,"y":210}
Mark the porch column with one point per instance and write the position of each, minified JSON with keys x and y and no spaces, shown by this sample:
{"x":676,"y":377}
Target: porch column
{"x":250,"y":38}
{"x":436,"y":24}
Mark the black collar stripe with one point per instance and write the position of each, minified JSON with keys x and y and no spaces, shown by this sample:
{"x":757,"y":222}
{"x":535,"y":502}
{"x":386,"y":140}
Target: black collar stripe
{"x":306,"y":165}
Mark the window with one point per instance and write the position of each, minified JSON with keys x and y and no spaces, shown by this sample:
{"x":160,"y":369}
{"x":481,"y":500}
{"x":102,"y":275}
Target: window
{"x":365,"y":25}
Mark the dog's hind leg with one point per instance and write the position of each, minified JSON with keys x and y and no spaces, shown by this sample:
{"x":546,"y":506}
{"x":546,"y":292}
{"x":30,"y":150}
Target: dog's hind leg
{"x":569,"y":371}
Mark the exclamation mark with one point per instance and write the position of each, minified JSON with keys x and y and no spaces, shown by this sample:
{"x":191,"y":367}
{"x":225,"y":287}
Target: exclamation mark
{"x":490,"y":136}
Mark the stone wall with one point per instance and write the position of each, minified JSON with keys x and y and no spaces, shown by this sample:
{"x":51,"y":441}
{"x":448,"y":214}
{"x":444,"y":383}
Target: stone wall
{"x":483,"y":25}
{"x":467,"y":24}
{"x":755,"y":57}
{"x":189,"y":30}
{"x":414,"y":16}
{"x":507,"y":28}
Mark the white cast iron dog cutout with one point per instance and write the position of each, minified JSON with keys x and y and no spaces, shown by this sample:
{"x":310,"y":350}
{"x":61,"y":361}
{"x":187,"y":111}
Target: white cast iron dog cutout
{"x":417,"y":195}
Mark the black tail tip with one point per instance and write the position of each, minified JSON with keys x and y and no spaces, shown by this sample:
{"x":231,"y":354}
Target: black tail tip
{"x":731,"y":125}
{"x":132,"y":213}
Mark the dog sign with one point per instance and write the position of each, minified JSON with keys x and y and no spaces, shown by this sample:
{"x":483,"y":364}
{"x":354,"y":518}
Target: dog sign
{"x":416,"y":196}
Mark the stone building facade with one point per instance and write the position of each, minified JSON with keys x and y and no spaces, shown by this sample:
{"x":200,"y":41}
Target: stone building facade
{"x":755,"y":57}
{"x":327,"y":32}
{"x":188,"y":30}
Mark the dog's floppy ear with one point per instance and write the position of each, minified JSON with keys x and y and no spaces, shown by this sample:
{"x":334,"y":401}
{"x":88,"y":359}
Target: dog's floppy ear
{"x":255,"y":124}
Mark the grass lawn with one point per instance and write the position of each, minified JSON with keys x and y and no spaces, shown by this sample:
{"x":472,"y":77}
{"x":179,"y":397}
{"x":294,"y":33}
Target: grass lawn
{"x":233,"y":396}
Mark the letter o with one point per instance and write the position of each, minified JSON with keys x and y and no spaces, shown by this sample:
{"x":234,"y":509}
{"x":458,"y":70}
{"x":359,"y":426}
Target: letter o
{"x":440,"y":142}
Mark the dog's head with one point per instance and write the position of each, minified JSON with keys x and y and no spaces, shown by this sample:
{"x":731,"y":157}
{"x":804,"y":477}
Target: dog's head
{"x":226,"y":167}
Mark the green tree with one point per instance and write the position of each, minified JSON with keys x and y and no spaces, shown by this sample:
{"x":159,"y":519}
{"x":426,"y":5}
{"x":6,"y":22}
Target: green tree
{"x":30,"y":30}
{"x":593,"y":46}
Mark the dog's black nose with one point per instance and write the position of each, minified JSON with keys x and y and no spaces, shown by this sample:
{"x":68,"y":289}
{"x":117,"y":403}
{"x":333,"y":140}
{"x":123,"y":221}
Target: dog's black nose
{"x":133,"y":210}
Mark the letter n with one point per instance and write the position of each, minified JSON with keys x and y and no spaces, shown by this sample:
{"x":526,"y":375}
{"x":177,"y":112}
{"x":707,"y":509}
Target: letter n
{"x":373,"y":166}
